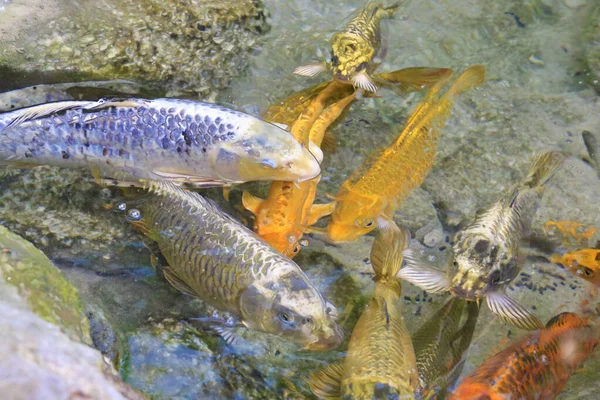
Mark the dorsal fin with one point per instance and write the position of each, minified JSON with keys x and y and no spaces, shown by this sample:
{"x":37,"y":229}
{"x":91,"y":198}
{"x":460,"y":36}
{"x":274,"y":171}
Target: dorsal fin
{"x":44,"y":110}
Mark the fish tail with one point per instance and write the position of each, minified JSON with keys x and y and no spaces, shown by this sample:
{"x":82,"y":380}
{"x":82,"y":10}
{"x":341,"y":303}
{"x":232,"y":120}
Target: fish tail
{"x":471,"y":77}
{"x":544,"y":167}
{"x":386,"y":253}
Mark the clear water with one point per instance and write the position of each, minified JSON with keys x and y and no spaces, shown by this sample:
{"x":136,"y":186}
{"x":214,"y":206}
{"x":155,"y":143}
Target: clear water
{"x":543,"y":66}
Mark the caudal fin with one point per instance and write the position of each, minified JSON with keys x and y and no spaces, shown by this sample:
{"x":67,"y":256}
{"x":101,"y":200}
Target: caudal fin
{"x":386,"y":253}
{"x":544,"y":167}
{"x":470,"y":78}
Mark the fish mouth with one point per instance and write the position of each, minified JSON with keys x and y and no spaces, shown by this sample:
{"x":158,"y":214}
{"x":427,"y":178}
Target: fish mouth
{"x":329,"y":342}
{"x":306,"y":168}
{"x":468,"y":295}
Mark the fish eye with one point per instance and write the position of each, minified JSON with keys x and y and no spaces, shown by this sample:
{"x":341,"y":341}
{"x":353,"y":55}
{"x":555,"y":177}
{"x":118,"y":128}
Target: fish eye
{"x":588,"y":272}
{"x":455,"y":263}
{"x":267,"y":163}
{"x":495,"y":278}
{"x":134,"y":215}
{"x":335,"y":60}
{"x":362,"y":66}
{"x":284,"y":317}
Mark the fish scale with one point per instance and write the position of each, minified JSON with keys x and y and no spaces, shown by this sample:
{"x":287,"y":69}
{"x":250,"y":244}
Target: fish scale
{"x":214,"y":257}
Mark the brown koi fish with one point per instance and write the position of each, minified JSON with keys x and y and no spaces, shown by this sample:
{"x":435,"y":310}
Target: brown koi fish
{"x":536,"y":367}
{"x":214,"y":257}
{"x":380,"y":362}
{"x":486,"y":253}
{"x":356,"y":51}
{"x":375,"y":190}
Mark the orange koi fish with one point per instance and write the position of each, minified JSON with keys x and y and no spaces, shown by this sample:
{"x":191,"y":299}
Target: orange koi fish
{"x":376,"y":192}
{"x":580,"y":232}
{"x":284,"y":216}
{"x":584,"y":263}
{"x":536,"y":367}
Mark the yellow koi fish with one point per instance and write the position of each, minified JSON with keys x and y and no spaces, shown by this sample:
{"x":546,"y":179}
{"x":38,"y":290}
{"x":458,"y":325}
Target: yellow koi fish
{"x":374,"y":192}
{"x":356,"y":51}
{"x":283,"y":217}
{"x":584,"y":263}
{"x":380,"y":362}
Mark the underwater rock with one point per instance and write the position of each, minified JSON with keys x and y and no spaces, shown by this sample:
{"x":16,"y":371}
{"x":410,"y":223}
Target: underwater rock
{"x":41,"y":285}
{"x":186,"y":46}
{"x":57,"y":206}
{"x":43,"y":352}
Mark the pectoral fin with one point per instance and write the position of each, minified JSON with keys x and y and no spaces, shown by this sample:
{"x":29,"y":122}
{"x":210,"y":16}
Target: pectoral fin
{"x":251,"y":202}
{"x":311,"y":70}
{"x":363,"y":81}
{"x":512,"y":312}
{"x":195,"y":181}
{"x":326,"y":382}
{"x":318,"y":211}
{"x":422,"y":275}
{"x":177,"y":282}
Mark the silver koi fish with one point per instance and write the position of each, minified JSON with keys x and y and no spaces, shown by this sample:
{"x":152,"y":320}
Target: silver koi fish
{"x":486,"y":253}
{"x":123,"y":141}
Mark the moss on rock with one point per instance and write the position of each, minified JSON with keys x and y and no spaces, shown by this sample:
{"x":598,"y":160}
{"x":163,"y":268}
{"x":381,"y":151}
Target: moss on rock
{"x":47,"y":292}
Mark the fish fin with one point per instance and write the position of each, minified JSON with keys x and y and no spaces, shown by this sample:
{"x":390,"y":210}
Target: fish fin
{"x":329,"y":143}
{"x":226,"y":192}
{"x":422,"y":275}
{"x":315,"y":230}
{"x":106,"y":103}
{"x":282,"y":126}
{"x":251,"y":203}
{"x":318,"y":211}
{"x":471,"y":77}
{"x":544,"y":167}
{"x":315,"y":151}
{"x":386,"y":252}
{"x":512,"y":312}
{"x":364,"y":82}
{"x":189,"y":179}
{"x":177,"y":282}
{"x":227,"y":333}
{"x":409,"y":80}
{"x":326,"y":382}
{"x":311,"y":70}
{"x":44,"y":110}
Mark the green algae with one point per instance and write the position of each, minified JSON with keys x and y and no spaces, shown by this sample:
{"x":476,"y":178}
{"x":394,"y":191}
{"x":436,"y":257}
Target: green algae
{"x":47,"y":292}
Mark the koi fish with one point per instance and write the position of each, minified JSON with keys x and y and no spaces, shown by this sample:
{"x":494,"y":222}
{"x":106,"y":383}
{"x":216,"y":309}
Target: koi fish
{"x":403,"y":81}
{"x":486,"y":254}
{"x":284,"y":216}
{"x":441,"y":345}
{"x":187,"y":142}
{"x":580,"y":232}
{"x":537,"y":366}
{"x":380,"y":362}
{"x":215,"y":258}
{"x":356,"y":51}
{"x":584,"y":263}
{"x":375,"y":191}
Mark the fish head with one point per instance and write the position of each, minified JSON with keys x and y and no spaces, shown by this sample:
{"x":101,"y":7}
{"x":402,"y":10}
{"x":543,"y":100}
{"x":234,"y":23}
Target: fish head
{"x":354,"y":215}
{"x":292,"y":307}
{"x":480,"y":266}
{"x":585,"y":264}
{"x":351,"y":55}
{"x":265,"y":152}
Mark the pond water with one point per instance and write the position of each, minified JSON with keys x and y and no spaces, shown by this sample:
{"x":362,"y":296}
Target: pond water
{"x":541,"y":93}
